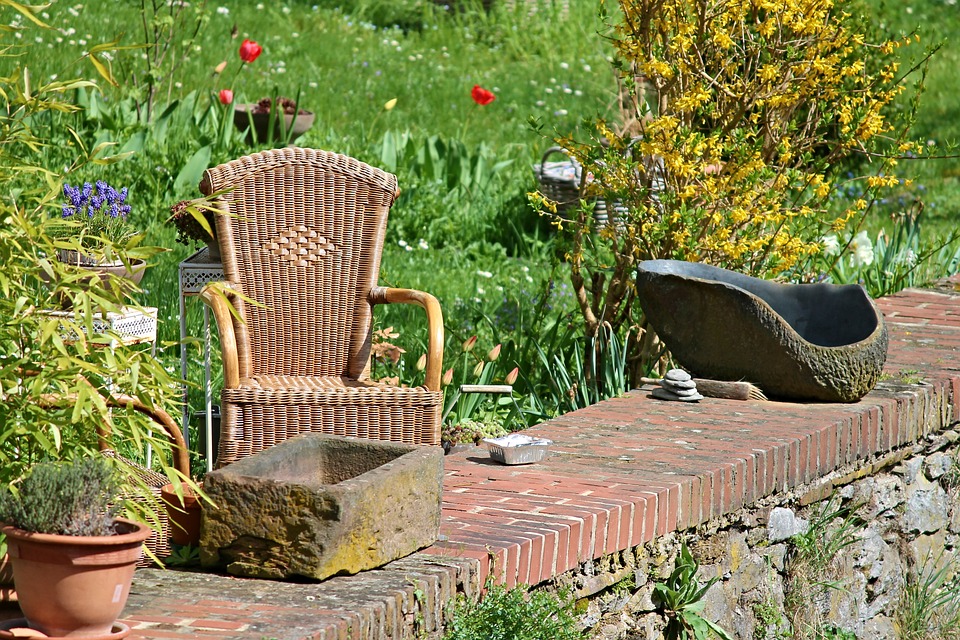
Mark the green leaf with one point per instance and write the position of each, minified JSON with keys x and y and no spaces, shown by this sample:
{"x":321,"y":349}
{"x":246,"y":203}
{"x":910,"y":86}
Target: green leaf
{"x":701,"y":631}
{"x":192,"y":171}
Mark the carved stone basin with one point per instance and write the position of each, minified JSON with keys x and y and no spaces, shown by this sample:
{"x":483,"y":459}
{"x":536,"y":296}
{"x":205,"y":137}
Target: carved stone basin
{"x":795,"y":341}
{"x":321,"y":505}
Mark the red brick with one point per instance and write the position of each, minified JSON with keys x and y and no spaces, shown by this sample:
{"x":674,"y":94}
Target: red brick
{"x":180,"y":632}
{"x":529,"y":572}
{"x":739,"y":482}
{"x":511,"y":568}
{"x":803,"y":459}
{"x":773,"y":474}
{"x":175,"y":620}
{"x":638,"y":528}
{"x":750,"y":479}
{"x":614,"y":524}
{"x":896,"y":435}
{"x":955,"y":397}
{"x":194,"y":610}
{"x":691,"y":503}
{"x":833,"y":448}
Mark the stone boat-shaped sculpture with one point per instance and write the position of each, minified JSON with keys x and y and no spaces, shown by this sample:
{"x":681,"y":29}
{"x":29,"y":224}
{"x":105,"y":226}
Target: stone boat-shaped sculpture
{"x":820,"y":342}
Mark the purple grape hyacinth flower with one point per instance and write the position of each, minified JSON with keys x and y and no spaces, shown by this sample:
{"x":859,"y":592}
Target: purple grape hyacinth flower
{"x":102,"y":208}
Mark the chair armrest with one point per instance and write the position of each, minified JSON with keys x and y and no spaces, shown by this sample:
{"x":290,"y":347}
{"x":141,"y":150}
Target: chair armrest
{"x":387,"y":295}
{"x":215,"y":295}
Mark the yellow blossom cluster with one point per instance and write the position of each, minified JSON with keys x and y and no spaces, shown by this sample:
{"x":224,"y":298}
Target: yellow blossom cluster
{"x":756,"y":101}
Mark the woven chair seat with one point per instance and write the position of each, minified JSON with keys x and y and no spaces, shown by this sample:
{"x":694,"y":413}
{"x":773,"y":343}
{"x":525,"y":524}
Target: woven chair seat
{"x":256,"y":418}
{"x":335,"y":386}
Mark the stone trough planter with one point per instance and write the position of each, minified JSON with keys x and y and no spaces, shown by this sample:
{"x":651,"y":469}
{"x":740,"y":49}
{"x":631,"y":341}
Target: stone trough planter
{"x":321,"y":505}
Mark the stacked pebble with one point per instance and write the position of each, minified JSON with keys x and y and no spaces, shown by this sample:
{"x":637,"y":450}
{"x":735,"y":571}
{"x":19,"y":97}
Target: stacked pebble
{"x":677,"y":385}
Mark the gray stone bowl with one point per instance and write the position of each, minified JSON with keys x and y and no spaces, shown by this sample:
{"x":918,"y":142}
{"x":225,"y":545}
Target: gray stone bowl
{"x":818,"y":342}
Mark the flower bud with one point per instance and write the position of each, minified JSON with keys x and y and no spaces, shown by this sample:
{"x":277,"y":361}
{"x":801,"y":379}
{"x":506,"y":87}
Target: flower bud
{"x":220,"y":67}
{"x":447,"y":377}
{"x":390,"y":104}
{"x":469,"y":343}
{"x":422,"y":363}
{"x":226,"y":96}
{"x":512,"y":376}
{"x":494,"y":353}
{"x":477,"y":370}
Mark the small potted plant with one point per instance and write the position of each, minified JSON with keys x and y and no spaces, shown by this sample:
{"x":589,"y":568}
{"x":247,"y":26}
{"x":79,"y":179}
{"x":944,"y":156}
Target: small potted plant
{"x":96,"y":221}
{"x":194,"y":220}
{"x":73,"y":559}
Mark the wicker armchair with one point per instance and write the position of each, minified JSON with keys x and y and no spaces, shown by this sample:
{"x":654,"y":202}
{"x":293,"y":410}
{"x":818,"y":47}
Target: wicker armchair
{"x":301,"y":232}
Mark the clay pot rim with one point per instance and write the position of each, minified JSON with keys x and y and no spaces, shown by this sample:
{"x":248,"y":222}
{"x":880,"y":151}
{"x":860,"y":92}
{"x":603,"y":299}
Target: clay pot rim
{"x":138,"y":533}
{"x":190,"y":496}
{"x":74,"y":258}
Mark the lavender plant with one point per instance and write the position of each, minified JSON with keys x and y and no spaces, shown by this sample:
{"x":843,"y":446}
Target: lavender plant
{"x":75,"y":498}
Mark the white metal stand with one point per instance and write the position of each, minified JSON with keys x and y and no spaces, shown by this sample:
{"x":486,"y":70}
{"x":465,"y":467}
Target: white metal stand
{"x":195,"y":272}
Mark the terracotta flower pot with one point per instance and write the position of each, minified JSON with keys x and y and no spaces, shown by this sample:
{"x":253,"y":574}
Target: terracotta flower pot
{"x":184,"y":515}
{"x":74,"y":586}
{"x":295,"y":126}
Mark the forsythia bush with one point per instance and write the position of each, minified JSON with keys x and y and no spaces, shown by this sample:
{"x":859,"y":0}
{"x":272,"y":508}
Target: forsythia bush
{"x":738,"y":118}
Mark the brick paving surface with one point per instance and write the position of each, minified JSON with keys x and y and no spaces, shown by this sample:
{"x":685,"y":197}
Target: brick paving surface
{"x":620,"y":473}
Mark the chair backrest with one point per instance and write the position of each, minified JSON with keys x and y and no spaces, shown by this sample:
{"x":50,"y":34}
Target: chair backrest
{"x":301,"y":232}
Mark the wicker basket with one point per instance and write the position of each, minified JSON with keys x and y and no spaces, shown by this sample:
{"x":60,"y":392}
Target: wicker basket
{"x":560,"y":181}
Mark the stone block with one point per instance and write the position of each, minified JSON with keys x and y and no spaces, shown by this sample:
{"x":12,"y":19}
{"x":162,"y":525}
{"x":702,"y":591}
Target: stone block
{"x":321,"y":505}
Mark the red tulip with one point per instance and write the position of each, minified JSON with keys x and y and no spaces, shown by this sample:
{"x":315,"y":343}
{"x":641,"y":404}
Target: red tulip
{"x":226,"y":96}
{"x":481,"y":96}
{"x":250,"y":50}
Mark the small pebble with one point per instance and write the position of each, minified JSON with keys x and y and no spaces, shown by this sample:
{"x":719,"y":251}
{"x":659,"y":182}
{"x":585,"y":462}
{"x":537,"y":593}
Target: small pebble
{"x":662,"y":394}
{"x":677,"y":375}
{"x":682,"y":392}
{"x":678,"y":384}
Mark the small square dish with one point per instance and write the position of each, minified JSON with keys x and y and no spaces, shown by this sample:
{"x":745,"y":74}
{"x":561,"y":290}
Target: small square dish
{"x":517,"y":448}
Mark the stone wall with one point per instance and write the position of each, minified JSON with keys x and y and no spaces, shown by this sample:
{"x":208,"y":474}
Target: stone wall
{"x":905,"y":519}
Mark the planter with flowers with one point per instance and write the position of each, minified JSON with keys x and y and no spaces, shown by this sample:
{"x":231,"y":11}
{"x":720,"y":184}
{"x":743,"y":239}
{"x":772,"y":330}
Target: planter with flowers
{"x":73,"y":559}
{"x":100,"y":238}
